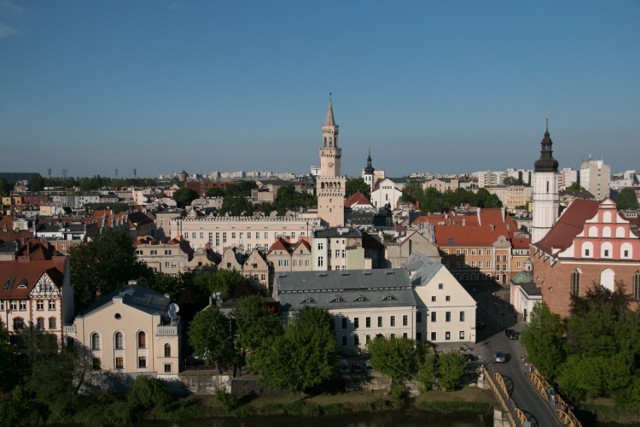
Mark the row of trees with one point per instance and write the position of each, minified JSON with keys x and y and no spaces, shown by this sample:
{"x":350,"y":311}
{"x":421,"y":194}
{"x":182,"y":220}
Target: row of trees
{"x":431,"y":200}
{"x":595,"y":352}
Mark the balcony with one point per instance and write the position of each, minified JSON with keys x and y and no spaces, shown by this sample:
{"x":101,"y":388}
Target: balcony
{"x":167,"y":331}
{"x":69,"y":329}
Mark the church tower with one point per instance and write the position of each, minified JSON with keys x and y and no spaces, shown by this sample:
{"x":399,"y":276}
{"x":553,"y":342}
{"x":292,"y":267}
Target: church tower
{"x":367,"y":173}
{"x":330,"y":186}
{"x":546,"y":201}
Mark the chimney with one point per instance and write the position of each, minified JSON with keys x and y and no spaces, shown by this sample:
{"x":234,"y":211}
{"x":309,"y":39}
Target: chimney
{"x":479,"y":216}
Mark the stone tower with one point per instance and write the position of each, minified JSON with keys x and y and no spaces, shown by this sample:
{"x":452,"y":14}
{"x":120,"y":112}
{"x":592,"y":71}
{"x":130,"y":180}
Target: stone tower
{"x":330,"y":185}
{"x":546,"y":201}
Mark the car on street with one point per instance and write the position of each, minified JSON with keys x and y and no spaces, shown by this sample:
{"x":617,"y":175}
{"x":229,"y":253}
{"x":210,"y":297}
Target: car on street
{"x":511,"y":334}
{"x":500,"y":357}
{"x":470,"y":358}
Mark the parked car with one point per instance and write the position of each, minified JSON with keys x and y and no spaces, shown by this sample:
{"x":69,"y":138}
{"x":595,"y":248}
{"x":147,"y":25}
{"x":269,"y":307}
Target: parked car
{"x":511,"y":334}
{"x":367,"y":366}
{"x":357,"y":368}
{"x":470,"y":358}
{"x":500,"y":357}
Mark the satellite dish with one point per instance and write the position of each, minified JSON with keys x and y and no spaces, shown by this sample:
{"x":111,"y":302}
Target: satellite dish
{"x":173,"y":311}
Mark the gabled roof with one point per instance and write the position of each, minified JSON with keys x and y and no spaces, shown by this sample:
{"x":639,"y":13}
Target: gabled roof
{"x":135,"y":296}
{"x":569,"y":225}
{"x":17,"y":278}
{"x":281,"y":244}
{"x":356,"y":199}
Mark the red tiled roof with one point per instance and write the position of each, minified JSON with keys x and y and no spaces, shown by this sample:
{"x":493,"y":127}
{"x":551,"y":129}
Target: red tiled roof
{"x":569,"y":225}
{"x":280,"y":245}
{"x":17,"y":278}
{"x":356,"y":198}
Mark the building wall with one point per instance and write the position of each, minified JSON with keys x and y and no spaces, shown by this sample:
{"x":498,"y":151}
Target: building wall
{"x":594,"y":177}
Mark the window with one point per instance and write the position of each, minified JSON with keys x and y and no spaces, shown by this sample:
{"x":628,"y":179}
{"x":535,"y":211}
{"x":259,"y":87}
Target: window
{"x":320,"y":261}
{"x":23,"y":305}
{"x":440,"y":285}
{"x":447,"y":316}
{"x":447,"y":335}
{"x":488,"y":264}
{"x":95,"y":341}
{"x":119,"y":363}
{"x":52,"y":322}
{"x":419,"y":317}
{"x":167,"y":368}
{"x":356,"y":340}
{"x":488,"y":252}
{"x":368,"y":322}
{"x":575,"y":282}
{"x":447,"y":298}
{"x":39,"y":305}
{"x":586,"y":252}
{"x":433,"y":298}
{"x":18,"y":323}
{"x":344,"y":340}
{"x":418,"y":336}
{"x":356,"y":322}
{"x":393,"y":320}
{"x":142,"y":340}
{"x":433,"y":336}
{"x":142,"y":361}
{"x":96,"y":363}
{"x":119,"y":341}
{"x":167,"y":251}
{"x":40,"y":324}
{"x":480,"y":252}
{"x":367,"y":338}
{"x":405,"y":320}
{"x":379,"y":321}
{"x":462,"y":316}
{"x":167,"y":350}
{"x":433,"y":316}
{"x":636,"y":285}
{"x":320,"y":246}
{"x":461,"y":335}
{"x":344,"y":323}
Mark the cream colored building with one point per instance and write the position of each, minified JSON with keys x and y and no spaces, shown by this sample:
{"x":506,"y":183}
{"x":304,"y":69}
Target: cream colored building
{"x":243,"y":232}
{"x":386,"y":193}
{"x":442,"y":184}
{"x":338,"y":248}
{"x":287,"y":256}
{"x":131,"y":331}
{"x":514,"y":196}
{"x":253,"y":266}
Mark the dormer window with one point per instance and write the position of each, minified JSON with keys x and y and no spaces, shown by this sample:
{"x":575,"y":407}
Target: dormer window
{"x":389,"y":298}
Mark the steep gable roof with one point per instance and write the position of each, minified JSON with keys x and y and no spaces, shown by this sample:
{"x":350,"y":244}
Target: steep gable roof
{"x":27,"y":273}
{"x":356,"y":199}
{"x":569,"y":225}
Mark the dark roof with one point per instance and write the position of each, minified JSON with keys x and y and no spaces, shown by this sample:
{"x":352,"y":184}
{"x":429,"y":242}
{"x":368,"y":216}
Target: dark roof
{"x":134,"y":296}
{"x":346,"y":232}
{"x":546,"y":162}
{"x":569,"y":225}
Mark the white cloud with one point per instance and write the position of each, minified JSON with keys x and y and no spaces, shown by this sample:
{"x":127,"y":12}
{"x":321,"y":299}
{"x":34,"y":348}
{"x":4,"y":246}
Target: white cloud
{"x":7,"y":31}
{"x":8,"y":5}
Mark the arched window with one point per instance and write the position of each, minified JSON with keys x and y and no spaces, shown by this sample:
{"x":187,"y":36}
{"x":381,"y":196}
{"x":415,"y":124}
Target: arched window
{"x":626,"y":250}
{"x":95,"y":341}
{"x":606,"y":250}
{"x":593,"y":231}
{"x":142,"y":340}
{"x":636,"y":285}
{"x":52,"y":322}
{"x":575,"y":282}
{"x":40,"y":323}
{"x":606,"y":217}
{"x":18,"y":323}
{"x":167,"y":350}
{"x":606,"y":231}
{"x":607,"y":279}
{"x":118,"y":341}
{"x":620,"y":232}
{"x":587,"y":250}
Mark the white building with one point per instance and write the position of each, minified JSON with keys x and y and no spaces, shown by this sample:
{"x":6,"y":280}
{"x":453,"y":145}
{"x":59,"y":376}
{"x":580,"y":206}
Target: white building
{"x":546,"y":200}
{"x":595,"y":177}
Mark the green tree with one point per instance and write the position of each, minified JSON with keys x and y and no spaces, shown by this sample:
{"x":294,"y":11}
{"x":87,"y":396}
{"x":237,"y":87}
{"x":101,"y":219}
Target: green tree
{"x":487,"y":200}
{"x":427,"y":367}
{"x":627,"y":199}
{"x":289,"y":199}
{"x":451,"y":370}
{"x":393,"y":356}
{"x":302,"y":358}
{"x":8,"y":372}
{"x":255,"y":323}
{"x":36,"y":183}
{"x":147,"y":393}
{"x":223,"y":281}
{"x":513,"y":181}
{"x":211,"y":335}
{"x":357,"y":184}
{"x":574,"y":188}
{"x":412,"y":191}
{"x":5,"y":187}
{"x":184,"y":196}
{"x":214,"y":192}
{"x":543,"y":339}
{"x":103,"y":265}
{"x":431,"y":201}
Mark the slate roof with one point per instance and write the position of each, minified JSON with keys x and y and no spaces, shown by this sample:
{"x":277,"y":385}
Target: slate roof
{"x":568,"y":225}
{"x":332,"y":290}
{"x":134,"y":296}
{"x":424,"y":267}
{"x":346,"y":232}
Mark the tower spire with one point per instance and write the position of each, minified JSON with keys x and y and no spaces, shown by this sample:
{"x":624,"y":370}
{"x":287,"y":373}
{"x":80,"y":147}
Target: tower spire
{"x":330,"y":121}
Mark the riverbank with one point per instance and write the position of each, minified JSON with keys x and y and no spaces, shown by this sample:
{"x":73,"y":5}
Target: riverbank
{"x":467,"y":400}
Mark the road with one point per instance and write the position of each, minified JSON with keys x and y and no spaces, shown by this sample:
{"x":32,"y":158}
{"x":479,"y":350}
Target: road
{"x":497,"y":314}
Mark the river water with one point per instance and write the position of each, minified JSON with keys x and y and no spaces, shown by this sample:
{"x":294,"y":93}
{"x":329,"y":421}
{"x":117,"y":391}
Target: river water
{"x":408,"y":418}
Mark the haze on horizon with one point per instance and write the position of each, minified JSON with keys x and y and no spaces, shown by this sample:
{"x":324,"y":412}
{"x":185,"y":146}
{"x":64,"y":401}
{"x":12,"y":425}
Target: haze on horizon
{"x":445,"y":87}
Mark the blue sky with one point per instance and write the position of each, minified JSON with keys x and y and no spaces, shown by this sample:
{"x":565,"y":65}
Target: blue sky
{"x":446,"y":86}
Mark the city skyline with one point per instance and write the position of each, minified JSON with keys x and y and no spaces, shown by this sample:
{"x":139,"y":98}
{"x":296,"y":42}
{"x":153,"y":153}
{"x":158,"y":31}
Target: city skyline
{"x":427,"y":87}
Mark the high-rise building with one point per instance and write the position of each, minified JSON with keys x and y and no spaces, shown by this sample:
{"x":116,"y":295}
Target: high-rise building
{"x":546,"y":201}
{"x":594,"y":177}
{"x":330,"y":185}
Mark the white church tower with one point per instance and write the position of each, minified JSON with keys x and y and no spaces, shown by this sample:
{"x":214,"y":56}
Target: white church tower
{"x":330,"y":185}
{"x":546,"y":201}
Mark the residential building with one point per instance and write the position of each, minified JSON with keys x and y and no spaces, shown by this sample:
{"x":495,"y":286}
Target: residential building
{"x":422,"y":240}
{"x":253,"y":266}
{"x":133,"y":331}
{"x":567,"y":177}
{"x":591,"y":243}
{"x":285,"y":255}
{"x":171,"y":257}
{"x":594,"y":177}
{"x":442,"y":184}
{"x":386,"y":193}
{"x":35,"y":289}
{"x":512,"y":196}
{"x":338,"y":248}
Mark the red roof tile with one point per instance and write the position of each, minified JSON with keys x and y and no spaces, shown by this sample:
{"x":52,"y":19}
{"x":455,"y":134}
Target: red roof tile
{"x":17,"y":278}
{"x":569,"y":225}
